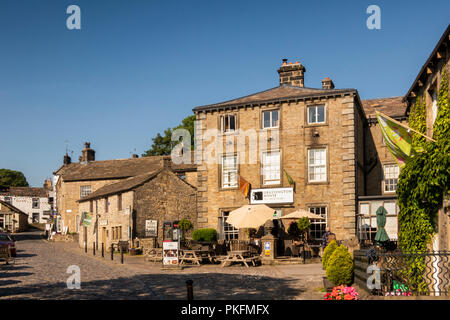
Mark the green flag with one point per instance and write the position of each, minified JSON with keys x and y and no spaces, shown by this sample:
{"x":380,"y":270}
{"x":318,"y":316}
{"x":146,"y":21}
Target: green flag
{"x":398,"y":138}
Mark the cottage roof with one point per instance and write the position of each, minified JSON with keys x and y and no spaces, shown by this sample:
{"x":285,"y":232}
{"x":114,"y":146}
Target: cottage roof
{"x":444,"y":40}
{"x":127,"y":184}
{"x":25,"y":192}
{"x":118,"y":168}
{"x":11,"y":207}
{"x":393,"y":107}
{"x":278,"y":94}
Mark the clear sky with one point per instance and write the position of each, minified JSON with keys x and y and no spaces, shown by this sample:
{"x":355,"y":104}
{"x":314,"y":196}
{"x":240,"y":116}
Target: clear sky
{"x":137,"y":67}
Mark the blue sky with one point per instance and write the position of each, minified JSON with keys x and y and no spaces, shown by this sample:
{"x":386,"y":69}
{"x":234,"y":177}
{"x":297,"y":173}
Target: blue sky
{"x":138,"y":66}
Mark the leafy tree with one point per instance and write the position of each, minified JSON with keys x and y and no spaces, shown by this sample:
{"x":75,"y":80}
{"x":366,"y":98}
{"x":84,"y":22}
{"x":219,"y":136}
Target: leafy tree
{"x":11,"y":178}
{"x":163,"y":145}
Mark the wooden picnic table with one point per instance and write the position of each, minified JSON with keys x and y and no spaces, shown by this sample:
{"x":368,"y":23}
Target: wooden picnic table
{"x":153,"y":254}
{"x":242,"y":256}
{"x":196,"y":256}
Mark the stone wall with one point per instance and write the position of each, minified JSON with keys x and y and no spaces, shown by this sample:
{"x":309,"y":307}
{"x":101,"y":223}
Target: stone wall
{"x":164,"y":198}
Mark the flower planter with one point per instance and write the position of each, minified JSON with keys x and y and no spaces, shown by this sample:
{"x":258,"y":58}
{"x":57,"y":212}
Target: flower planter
{"x":327,"y":284}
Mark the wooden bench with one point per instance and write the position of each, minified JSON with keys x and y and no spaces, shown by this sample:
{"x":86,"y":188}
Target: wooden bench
{"x":5,"y":254}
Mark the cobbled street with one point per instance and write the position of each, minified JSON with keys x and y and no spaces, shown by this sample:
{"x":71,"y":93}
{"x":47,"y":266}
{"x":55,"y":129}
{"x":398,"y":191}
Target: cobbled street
{"x":40,"y":272}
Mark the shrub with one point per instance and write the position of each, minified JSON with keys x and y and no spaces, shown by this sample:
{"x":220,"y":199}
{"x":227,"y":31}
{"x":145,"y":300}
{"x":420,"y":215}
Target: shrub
{"x":328,"y":252}
{"x":185,"y":224}
{"x":206,"y":234}
{"x":340,"y":267}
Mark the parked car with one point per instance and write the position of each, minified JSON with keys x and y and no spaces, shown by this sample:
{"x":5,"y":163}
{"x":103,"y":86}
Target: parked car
{"x":6,"y":239}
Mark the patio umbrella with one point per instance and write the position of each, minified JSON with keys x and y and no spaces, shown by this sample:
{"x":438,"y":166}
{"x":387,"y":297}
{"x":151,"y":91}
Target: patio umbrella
{"x":300,"y":213}
{"x":381,"y":235}
{"x":250,"y":216}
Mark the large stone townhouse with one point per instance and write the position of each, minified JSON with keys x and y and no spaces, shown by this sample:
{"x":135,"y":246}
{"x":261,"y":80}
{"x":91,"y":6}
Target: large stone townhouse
{"x":290,"y":133}
{"x":74,"y":181}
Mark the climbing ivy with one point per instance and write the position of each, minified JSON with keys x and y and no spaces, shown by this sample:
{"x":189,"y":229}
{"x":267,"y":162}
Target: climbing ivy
{"x":418,"y":121}
{"x":422,"y":183}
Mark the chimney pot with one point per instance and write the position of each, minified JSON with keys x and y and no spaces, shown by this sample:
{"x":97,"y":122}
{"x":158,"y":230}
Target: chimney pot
{"x":67,"y":159}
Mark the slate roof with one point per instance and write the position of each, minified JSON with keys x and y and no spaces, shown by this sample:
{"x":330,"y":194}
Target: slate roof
{"x":393,"y":107}
{"x":277,"y":94}
{"x":126,"y":185}
{"x":25,"y":192}
{"x":118,"y":168}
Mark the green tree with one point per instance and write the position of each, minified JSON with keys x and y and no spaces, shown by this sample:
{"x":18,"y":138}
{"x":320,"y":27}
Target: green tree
{"x":163,"y":144}
{"x":11,"y":178}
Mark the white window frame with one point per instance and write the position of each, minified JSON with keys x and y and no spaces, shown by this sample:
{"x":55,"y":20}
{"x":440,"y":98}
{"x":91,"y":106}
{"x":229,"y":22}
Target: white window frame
{"x":321,"y":223}
{"x":315,"y":166}
{"x":229,"y":185}
{"x":85,"y":191}
{"x":222,"y":123}
{"x":316,"y":118}
{"x":387,"y":169}
{"x":270,"y":168}
{"x":270,"y":119}
{"x":227,"y":231}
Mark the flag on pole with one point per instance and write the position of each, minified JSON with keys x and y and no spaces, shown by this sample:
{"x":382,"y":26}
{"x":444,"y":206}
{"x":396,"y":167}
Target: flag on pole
{"x":398,"y":138}
{"x":244,"y":186}
{"x":289,"y":179}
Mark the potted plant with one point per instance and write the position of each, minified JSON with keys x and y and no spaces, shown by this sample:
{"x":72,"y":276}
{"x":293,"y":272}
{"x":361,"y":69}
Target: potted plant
{"x":303,"y":225}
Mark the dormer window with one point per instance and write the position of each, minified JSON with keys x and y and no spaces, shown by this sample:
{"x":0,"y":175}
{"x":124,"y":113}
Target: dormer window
{"x":228,"y":123}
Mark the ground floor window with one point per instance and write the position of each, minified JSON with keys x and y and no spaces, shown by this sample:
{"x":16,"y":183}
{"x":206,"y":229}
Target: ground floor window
{"x":35,"y":217}
{"x":227,"y":231}
{"x":367,"y":219}
{"x":317,"y":228}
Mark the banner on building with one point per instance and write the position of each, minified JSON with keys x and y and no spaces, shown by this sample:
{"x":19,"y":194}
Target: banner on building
{"x":398,"y":138}
{"x":86,"y":219}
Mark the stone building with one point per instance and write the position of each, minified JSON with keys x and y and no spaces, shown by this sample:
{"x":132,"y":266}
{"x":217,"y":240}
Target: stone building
{"x":381,"y":172}
{"x":35,"y":202}
{"x":12,"y":218}
{"x":74,"y":181}
{"x":123,"y":210}
{"x":314,"y":136}
{"x":426,"y":85}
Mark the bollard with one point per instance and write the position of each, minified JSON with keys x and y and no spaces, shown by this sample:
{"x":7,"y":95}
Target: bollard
{"x":85,"y":247}
{"x":190,"y":290}
{"x":121,"y":254}
{"x":112,"y":252}
{"x":103,"y":250}
{"x":304,"y":255}
{"x":93,"y":249}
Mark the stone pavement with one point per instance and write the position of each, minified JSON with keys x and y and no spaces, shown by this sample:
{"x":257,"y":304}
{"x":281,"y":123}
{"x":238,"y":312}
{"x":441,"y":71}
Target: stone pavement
{"x":40,"y":273}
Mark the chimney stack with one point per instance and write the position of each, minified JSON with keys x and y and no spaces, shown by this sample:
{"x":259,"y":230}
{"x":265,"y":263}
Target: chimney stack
{"x":134,"y":156}
{"x":67,"y":159}
{"x":327,"y":84}
{"x":292,"y":74}
{"x":87,"y":154}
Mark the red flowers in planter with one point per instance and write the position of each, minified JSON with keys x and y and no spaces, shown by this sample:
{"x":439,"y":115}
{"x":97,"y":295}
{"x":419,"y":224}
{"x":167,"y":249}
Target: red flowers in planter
{"x":342,"y":293}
